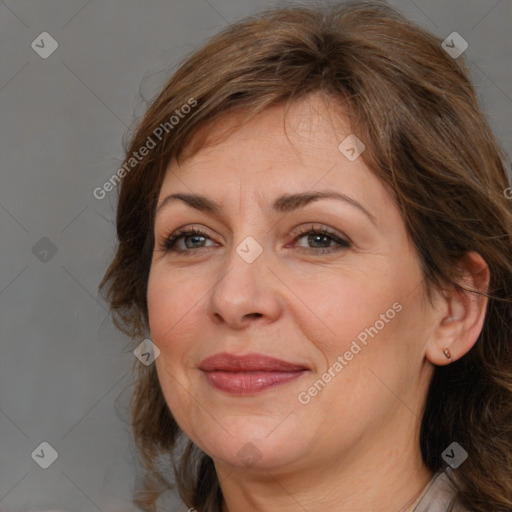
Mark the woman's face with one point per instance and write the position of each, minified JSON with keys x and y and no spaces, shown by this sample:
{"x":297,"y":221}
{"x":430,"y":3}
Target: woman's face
{"x":332,"y":286}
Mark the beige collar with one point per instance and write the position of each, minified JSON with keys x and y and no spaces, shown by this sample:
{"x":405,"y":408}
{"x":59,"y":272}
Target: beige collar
{"x":421,"y":495}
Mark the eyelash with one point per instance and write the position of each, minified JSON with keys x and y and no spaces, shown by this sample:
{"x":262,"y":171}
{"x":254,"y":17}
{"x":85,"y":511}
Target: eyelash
{"x":171,"y":240}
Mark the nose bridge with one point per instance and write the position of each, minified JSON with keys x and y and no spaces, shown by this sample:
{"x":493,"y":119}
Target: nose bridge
{"x":244,"y":291}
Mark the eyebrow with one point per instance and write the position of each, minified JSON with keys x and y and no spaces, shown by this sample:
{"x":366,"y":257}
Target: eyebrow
{"x":283,"y":204}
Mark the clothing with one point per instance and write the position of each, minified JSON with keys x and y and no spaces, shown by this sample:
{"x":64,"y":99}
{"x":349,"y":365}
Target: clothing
{"x":439,"y":495}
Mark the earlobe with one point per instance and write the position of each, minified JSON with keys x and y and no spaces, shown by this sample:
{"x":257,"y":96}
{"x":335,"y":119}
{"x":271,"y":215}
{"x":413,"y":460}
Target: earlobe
{"x":445,"y":344}
{"x":462,"y":314}
{"x":447,"y":353}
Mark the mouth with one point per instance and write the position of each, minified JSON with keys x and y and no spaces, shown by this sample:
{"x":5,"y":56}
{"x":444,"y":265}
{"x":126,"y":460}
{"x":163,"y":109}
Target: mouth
{"x":248,"y":374}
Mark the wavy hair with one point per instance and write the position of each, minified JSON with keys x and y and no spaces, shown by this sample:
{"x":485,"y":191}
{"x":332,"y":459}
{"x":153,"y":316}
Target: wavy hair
{"x":426,"y":138}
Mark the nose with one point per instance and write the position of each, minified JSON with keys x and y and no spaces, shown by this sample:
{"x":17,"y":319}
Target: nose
{"x":246,"y":292}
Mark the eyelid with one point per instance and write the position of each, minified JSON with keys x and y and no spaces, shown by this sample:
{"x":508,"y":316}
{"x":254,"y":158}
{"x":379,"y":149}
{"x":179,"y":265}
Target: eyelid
{"x":183,"y":231}
{"x":341,"y":241}
{"x":304,"y":229}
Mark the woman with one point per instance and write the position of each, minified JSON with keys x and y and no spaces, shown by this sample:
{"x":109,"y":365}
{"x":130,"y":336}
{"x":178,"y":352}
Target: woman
{"x":316,"y":239}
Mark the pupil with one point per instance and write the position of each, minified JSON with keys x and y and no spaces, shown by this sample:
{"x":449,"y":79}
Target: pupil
{"x":316,"y":237}
{"x":195,"y":238}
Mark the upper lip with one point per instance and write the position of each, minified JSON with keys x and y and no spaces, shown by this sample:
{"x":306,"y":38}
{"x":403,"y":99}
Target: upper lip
{"x":227,"y":362}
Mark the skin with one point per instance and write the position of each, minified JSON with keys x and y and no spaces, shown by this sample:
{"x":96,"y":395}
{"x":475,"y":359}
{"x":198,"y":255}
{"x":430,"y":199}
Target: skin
{"x":355,"y":445}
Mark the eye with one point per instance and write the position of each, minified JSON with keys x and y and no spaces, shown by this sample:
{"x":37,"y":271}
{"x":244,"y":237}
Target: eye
{"x":321,"y":240}
{"x":193,"y":238}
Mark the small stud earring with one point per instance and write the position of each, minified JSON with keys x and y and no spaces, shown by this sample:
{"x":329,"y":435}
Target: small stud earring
{"x":446,"y":352}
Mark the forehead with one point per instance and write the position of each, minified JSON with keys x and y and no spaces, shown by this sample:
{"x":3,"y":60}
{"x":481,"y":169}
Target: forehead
{"x":314,"y":117}
{"x":302,"y":137}
{"x":280,"y":151}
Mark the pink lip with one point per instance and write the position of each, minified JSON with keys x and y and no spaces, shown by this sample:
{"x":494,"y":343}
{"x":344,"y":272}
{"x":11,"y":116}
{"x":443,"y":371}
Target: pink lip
{"x":248,"y":374}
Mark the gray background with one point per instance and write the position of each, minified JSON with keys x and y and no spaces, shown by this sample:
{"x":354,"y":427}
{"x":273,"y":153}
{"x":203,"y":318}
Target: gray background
{"x":64,"y":368}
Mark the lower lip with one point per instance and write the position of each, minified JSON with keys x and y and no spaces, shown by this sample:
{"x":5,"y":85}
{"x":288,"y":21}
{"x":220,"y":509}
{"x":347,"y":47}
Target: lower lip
{"x":245,"y":383}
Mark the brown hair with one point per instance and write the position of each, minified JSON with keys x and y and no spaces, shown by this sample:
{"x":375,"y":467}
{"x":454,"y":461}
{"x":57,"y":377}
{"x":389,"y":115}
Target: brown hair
{"x":415,"y":109}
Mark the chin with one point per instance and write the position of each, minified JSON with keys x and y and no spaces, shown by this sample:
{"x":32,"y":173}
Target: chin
{"x":252,"y":442}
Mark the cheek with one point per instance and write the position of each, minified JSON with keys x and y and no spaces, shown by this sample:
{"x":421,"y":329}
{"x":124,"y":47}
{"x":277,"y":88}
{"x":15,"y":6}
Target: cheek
{"x":172,"y":306}
{"x":360,"y":327}
{"x":159,"y":299}
{"x":340,"y":311}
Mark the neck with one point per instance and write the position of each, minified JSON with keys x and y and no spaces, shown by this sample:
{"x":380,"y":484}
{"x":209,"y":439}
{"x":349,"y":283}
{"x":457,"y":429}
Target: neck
{"x":380,"y":479}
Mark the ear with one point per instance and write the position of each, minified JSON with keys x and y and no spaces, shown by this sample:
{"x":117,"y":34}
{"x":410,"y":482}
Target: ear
{"x":461,"y":313}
